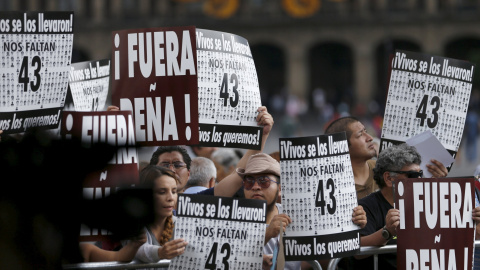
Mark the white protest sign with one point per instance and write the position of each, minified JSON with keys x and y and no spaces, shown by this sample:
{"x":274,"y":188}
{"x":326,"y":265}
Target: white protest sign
{"x":222,"y":233}
{"x":318,"y":193}
{"x":228,"y":92}
{"x":427,"y":93}
{"x":36,"y":54}
{"x":89,"y":82}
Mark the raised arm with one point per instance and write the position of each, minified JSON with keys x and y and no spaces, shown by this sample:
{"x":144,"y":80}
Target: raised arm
{"x":230,"y":184}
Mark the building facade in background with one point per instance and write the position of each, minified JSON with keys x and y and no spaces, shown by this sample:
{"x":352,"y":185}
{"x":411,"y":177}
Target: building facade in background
{"x":326,"y":55}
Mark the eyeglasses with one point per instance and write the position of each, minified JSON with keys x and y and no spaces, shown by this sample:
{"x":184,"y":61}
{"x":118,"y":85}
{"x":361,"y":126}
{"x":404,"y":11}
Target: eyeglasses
{"x":263,"y":181}
{"x":411,"y":174}
{"x":176,"y":165}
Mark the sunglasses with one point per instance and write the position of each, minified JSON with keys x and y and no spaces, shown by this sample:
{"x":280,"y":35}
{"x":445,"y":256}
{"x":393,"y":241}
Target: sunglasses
{"x":263,"y":181}
{"x":176,"y":165}
{"x":411,"y":174}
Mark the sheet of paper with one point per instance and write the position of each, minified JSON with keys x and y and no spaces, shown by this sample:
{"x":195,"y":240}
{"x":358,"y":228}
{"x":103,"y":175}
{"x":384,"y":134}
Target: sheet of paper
{"x":430,"y":148}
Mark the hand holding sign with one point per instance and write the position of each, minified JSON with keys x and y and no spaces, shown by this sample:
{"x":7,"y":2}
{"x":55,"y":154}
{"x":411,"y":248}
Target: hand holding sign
{"x":172,"y":249}
{"x":278,"y":224}
{"x":265,"y":119}
{"x":393,"y":220}
{"x":267,"y":261}
{"x":359,"y":216}
{"x":437,"y":169}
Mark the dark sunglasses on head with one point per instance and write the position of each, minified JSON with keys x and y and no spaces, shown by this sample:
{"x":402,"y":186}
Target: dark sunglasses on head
{"x":176,"y":165}
{"x":411,"y":174}
{"x":263,"y":181}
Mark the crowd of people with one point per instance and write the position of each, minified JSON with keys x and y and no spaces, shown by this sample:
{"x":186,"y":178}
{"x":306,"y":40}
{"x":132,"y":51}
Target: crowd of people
{"x":223,"y":172}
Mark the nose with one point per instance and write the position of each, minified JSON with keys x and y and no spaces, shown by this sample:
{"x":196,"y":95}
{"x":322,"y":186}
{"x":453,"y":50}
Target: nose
{"x":369,"y":137}
{"x":256,"y":186}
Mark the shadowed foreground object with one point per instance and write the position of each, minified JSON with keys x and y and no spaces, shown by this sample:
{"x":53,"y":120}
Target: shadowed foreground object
{"x":41,"y":205}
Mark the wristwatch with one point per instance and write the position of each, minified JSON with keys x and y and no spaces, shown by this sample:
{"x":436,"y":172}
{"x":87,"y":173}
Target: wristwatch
{"x":386,"y":234}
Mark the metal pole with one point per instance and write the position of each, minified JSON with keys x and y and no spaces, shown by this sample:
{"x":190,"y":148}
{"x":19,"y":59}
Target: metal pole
{"x":116,"y":265}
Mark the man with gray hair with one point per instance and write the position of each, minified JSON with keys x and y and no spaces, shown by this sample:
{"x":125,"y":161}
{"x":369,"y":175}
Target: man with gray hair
{"x":396,"y":162}
{"x":202,"y":175}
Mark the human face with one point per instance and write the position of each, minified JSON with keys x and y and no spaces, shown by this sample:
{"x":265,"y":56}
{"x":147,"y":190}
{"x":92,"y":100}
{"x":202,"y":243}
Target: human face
{"x":269,"y":194}
{"x":361,"y":143}
{"x":172,"y":157}
{"x":164,"y":196}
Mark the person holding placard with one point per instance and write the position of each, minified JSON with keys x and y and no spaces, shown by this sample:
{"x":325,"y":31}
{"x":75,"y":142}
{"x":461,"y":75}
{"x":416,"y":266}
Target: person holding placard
{"x":233,"y":182}
{"x":159,"y":244}
{"x":261,"y":181}
{"x":396,"y":162}
{"x":362,"y":150}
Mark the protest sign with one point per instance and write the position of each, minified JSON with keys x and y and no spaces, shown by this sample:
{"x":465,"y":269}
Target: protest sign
{"x":88,"y":83}
{"x":440,"y":210}
{"x":318,"y":193}
{"x":222,"y":233}
{"x":154,"y":75}
{"x":228,"y":92}
{"x":427,"y":92}
{"x":115,"y":128}
{"x":36,"y":54}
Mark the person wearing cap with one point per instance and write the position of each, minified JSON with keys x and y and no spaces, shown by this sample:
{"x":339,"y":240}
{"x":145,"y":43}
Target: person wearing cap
{"x":233,"y":182}
{"x":261,"y":181}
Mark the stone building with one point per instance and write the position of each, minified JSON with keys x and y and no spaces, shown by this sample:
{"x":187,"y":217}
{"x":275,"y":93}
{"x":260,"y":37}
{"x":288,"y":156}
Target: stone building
{"x":339,"y":46}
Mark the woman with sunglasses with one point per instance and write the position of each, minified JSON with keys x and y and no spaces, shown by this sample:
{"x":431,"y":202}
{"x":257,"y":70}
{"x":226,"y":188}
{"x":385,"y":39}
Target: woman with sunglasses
{"x":159,"y":245}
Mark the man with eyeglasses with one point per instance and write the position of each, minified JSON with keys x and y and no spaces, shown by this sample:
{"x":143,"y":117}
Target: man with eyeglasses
{"x":261,"y":181}
{"x":176,"y":159}
{"x":396,"y":162}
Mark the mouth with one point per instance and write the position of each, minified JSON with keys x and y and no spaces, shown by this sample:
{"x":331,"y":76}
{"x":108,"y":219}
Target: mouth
{"x":257,"y":196}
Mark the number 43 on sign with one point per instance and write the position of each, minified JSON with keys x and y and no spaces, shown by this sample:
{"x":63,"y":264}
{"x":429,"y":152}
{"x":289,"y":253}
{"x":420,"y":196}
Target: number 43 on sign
{"x":212,"y":256}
